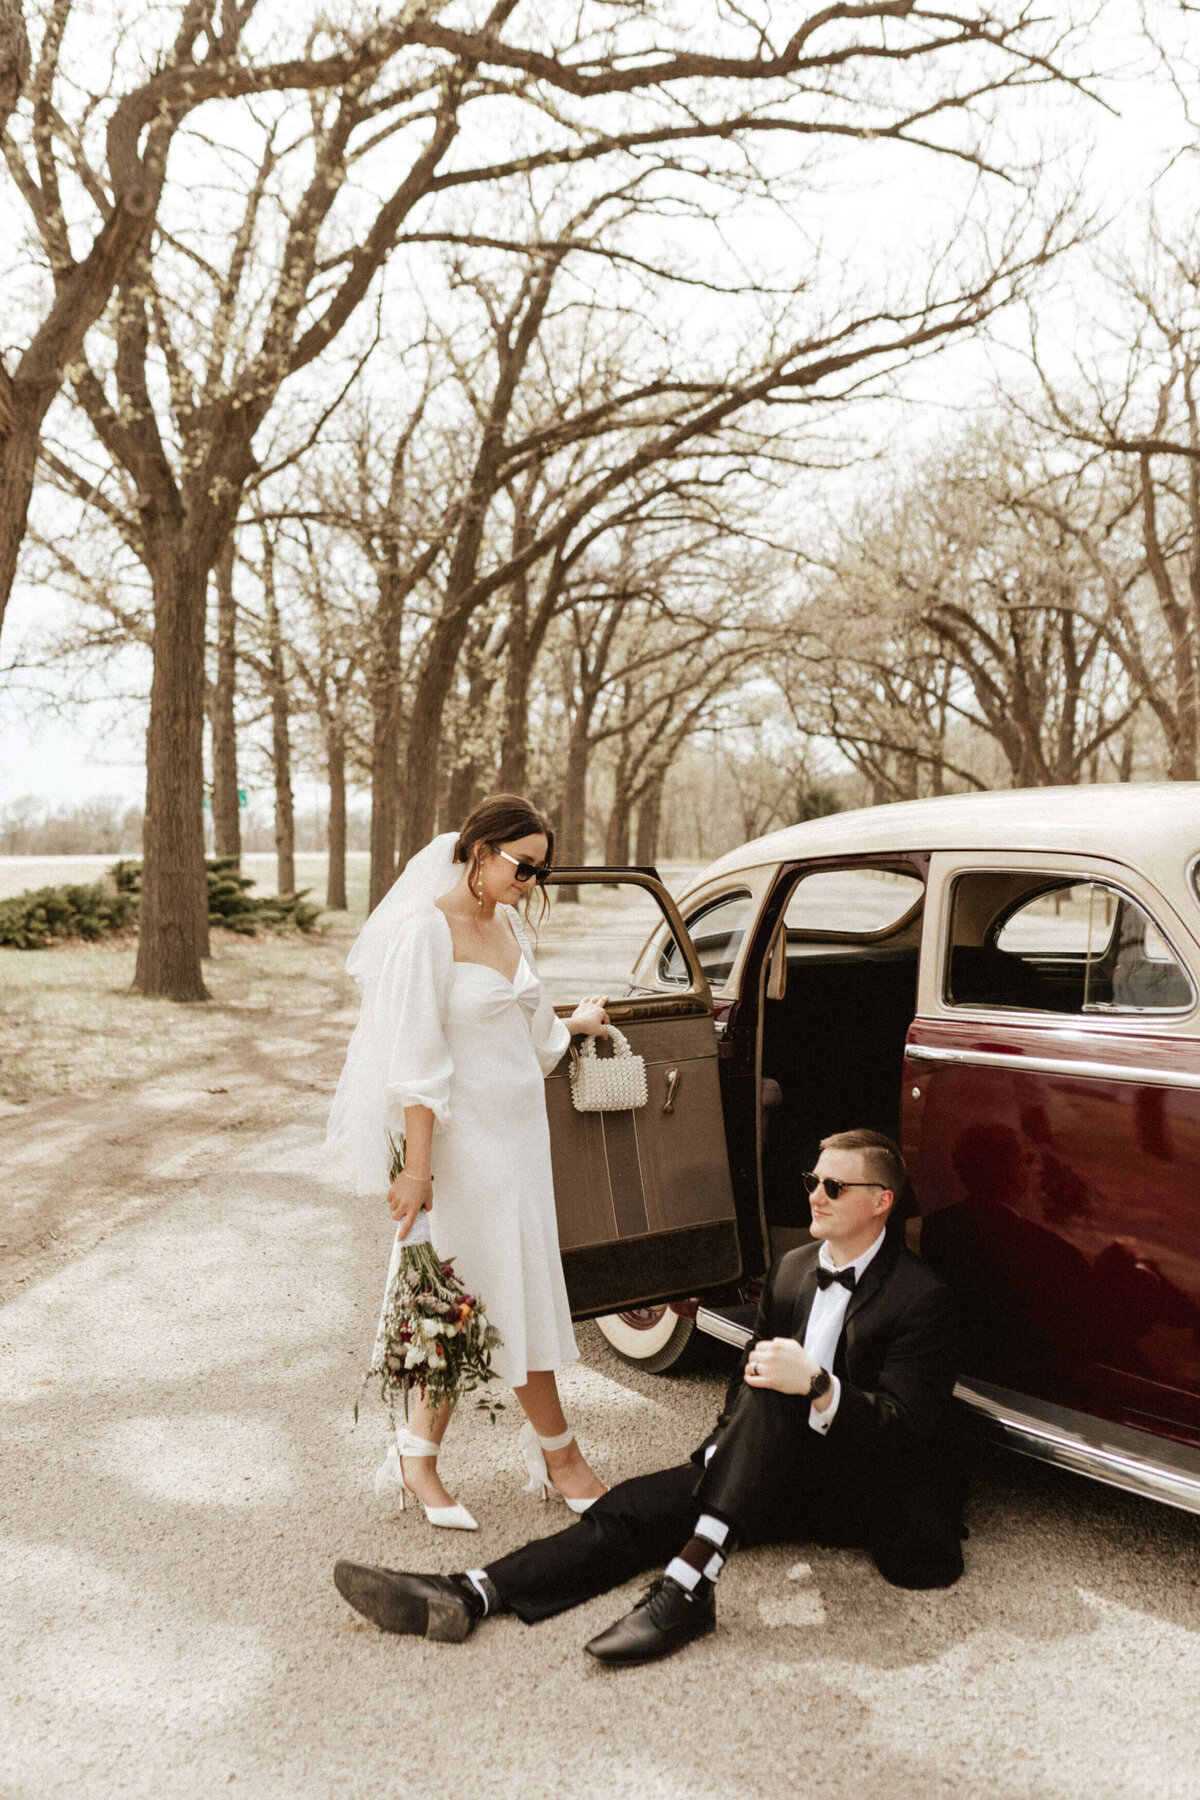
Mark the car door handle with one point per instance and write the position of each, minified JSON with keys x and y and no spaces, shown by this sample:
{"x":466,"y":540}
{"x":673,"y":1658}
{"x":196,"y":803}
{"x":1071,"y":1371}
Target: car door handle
{"x":673,"y":1080}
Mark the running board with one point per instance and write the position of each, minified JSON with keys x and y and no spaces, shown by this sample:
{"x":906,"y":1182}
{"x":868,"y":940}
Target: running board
{"x":1138,"y":1462}
{"x":718,"y":1326}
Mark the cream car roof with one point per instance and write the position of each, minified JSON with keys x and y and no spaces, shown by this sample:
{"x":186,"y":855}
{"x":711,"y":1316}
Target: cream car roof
{"x":1152,"y":827}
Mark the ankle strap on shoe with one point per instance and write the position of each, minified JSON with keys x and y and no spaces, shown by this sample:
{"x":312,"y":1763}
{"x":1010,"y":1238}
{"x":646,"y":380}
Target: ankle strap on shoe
{"x":557,"y":1443}
{"x":409,"y":1444}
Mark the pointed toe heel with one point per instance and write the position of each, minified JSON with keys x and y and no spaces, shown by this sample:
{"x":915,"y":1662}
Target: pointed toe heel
{"x":540,"y":1481}
{"x":390,"y":1479}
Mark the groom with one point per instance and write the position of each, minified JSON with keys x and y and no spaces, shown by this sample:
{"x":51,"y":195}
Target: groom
{"x":837,"y":1427}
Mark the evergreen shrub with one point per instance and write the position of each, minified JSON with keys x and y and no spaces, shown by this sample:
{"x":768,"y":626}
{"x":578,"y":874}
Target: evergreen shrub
{"x":44,"y":916}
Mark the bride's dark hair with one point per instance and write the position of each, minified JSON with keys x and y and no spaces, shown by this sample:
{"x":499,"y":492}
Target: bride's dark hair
{"x":502,"y":819}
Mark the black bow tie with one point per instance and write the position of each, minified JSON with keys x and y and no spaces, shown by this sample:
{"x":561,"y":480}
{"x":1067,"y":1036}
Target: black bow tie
{"x":826,"y":1276}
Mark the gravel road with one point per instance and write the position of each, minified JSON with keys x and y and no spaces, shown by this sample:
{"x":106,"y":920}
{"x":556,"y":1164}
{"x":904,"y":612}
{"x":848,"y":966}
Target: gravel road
{"x":178,"y":1472}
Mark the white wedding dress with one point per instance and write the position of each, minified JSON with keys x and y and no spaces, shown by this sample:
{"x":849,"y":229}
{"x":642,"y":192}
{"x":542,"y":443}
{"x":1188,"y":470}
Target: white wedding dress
{"x":474,"y":1047}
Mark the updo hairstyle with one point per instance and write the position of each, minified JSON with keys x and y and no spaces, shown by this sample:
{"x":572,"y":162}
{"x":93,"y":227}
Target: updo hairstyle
{"x":501,"y":819}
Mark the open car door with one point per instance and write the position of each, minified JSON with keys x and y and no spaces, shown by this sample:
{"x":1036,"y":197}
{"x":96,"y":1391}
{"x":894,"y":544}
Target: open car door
{"x":645,"y":1205}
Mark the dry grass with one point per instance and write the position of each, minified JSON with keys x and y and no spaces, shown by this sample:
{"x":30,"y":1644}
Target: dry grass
{"x":70,"y":1025}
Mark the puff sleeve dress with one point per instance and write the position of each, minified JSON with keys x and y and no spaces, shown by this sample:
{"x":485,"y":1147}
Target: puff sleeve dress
{"x":474,"y":1047}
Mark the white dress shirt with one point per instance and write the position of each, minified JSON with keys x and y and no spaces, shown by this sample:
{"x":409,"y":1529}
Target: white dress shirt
{"x":824,"y":1329}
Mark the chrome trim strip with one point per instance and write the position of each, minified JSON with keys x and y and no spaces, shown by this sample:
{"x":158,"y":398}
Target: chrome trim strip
{"x":718,"y":1326}
{"x":1135,"y":1461}
{"x":1053,"y":1065}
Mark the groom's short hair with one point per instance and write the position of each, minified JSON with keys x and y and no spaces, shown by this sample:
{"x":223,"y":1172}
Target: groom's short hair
{"x":880,"y":1155}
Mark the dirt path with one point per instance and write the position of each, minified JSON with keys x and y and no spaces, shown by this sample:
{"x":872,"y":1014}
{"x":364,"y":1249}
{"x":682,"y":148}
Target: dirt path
{"x":75,"y":1169}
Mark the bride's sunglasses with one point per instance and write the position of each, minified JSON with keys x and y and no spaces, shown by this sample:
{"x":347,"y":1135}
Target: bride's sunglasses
{"x":525,"y":871}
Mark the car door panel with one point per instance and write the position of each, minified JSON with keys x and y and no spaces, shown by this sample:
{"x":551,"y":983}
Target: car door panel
{"x":645,"y":1204}
{"x":1055,"y":1161}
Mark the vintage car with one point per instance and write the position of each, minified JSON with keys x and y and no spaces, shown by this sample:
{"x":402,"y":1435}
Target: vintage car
{"x":1007,"y":983}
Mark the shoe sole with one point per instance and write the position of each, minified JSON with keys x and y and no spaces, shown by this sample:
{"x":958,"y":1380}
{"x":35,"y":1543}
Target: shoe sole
{"x":371,"y":1593}
{"x":635,"y":1662}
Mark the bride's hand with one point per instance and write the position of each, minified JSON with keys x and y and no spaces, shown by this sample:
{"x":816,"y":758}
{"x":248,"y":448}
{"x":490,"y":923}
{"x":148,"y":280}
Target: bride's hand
{"x":407,"y":1196}
{"x":589,"y":1018}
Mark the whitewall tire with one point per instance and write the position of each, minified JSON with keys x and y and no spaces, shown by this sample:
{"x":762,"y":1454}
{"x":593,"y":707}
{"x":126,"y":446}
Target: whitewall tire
{"x":651,"y":1337}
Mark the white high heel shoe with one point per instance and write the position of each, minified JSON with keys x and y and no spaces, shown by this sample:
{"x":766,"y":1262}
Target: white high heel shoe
{"x":539,"y":1482}
{"x":391,"y":1477}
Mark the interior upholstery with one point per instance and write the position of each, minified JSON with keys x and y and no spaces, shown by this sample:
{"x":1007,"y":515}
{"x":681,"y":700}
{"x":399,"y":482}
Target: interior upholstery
{"x":835,"y":1045}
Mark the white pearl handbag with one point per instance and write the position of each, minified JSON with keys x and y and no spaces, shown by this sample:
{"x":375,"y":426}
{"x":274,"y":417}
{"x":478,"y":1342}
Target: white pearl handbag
{"x":615,"y":1083}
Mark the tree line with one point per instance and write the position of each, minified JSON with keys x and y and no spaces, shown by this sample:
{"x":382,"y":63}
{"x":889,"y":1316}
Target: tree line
{"x":391,"y":389}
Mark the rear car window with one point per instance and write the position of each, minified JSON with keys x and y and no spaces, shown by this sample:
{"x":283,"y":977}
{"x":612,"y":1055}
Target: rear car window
{"x":853,"y":902}
{"x":1066,"y":946}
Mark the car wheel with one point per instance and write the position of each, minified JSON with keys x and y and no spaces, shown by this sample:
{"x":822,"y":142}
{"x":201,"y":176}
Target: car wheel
{"x":651,"y":1337}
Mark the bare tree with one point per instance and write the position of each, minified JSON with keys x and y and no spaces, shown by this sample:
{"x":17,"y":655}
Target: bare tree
{"x":108,"y":164}
{"x":965,"y":607}
{"x":234,"y":316}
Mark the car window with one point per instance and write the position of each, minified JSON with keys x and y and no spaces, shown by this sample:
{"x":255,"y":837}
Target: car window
{"x":1070,"y":921}
{"x":1061,"y":946}
{"x":716,"y":929}
{"x":593,"y":939}
{"x":853,"y":902}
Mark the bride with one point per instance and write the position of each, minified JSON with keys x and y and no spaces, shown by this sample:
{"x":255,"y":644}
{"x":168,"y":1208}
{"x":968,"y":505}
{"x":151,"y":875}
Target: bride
{"x":453,"y":1040}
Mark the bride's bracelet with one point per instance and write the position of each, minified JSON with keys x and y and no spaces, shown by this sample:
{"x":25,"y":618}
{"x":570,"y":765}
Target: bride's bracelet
{"x":424,"y":1180}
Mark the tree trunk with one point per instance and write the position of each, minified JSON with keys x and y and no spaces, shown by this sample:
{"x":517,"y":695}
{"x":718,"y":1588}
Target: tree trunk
{"x":424,"y":739}
{"x":285,"y":821}
{"x":19,"y":444}
{"x":570,"y":844}
{"x":227,"y":824}
{"x":616,"y":839}
{"x":648,"y":821}
{"x":173,"y":925}
{"x":514,"y":743}
{"x":335,"y":883}
{"x":281,"y":748}
{"x":463,"y":792}
{"x":385,"y":737}
{"x":465,"y":786}
{"x":385,"y":804}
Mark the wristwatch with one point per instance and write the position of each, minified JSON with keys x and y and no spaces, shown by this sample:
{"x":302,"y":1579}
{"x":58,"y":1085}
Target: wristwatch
{"x":822,"y":1381}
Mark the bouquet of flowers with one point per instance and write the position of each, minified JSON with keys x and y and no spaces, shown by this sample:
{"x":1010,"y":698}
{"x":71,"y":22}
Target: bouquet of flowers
{"x":435,"y":1336}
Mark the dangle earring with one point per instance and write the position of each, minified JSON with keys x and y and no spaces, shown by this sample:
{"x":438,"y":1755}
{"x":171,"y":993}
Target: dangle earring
{"x":477,"y":891}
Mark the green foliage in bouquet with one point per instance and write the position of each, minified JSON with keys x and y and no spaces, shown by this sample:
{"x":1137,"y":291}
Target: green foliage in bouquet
{"x":435,"y":1336}
{"x":43,"y":916}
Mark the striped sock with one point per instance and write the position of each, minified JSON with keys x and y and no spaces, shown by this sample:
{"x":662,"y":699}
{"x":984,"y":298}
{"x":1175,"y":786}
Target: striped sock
{"x":703,"y":1556}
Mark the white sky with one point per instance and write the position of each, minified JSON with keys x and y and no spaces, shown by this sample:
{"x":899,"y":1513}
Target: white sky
{"x":893,"y":200}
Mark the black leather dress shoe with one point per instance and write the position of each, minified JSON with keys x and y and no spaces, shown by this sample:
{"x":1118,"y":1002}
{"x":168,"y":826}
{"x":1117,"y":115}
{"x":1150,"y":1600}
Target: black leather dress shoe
{"x":665,"y":1619}
{"x":432,"y":1606}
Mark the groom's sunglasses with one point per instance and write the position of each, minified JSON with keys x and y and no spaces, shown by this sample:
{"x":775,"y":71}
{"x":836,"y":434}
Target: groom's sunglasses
{"x":523,"y":871}
{"x":833,"y":1188}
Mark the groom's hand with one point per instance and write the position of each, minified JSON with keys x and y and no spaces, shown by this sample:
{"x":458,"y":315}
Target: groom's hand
{"x":782,"y":1364}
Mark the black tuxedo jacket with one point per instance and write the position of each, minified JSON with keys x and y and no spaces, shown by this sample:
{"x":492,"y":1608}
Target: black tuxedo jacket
{"x":892,"y":1447}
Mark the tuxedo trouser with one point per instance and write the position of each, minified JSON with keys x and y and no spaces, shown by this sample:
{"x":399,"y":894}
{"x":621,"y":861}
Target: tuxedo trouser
{"x":771,"y":1476}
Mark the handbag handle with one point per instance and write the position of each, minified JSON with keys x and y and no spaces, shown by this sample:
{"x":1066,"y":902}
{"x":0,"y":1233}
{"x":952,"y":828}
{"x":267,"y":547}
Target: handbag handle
{"x":620,"y":1044}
